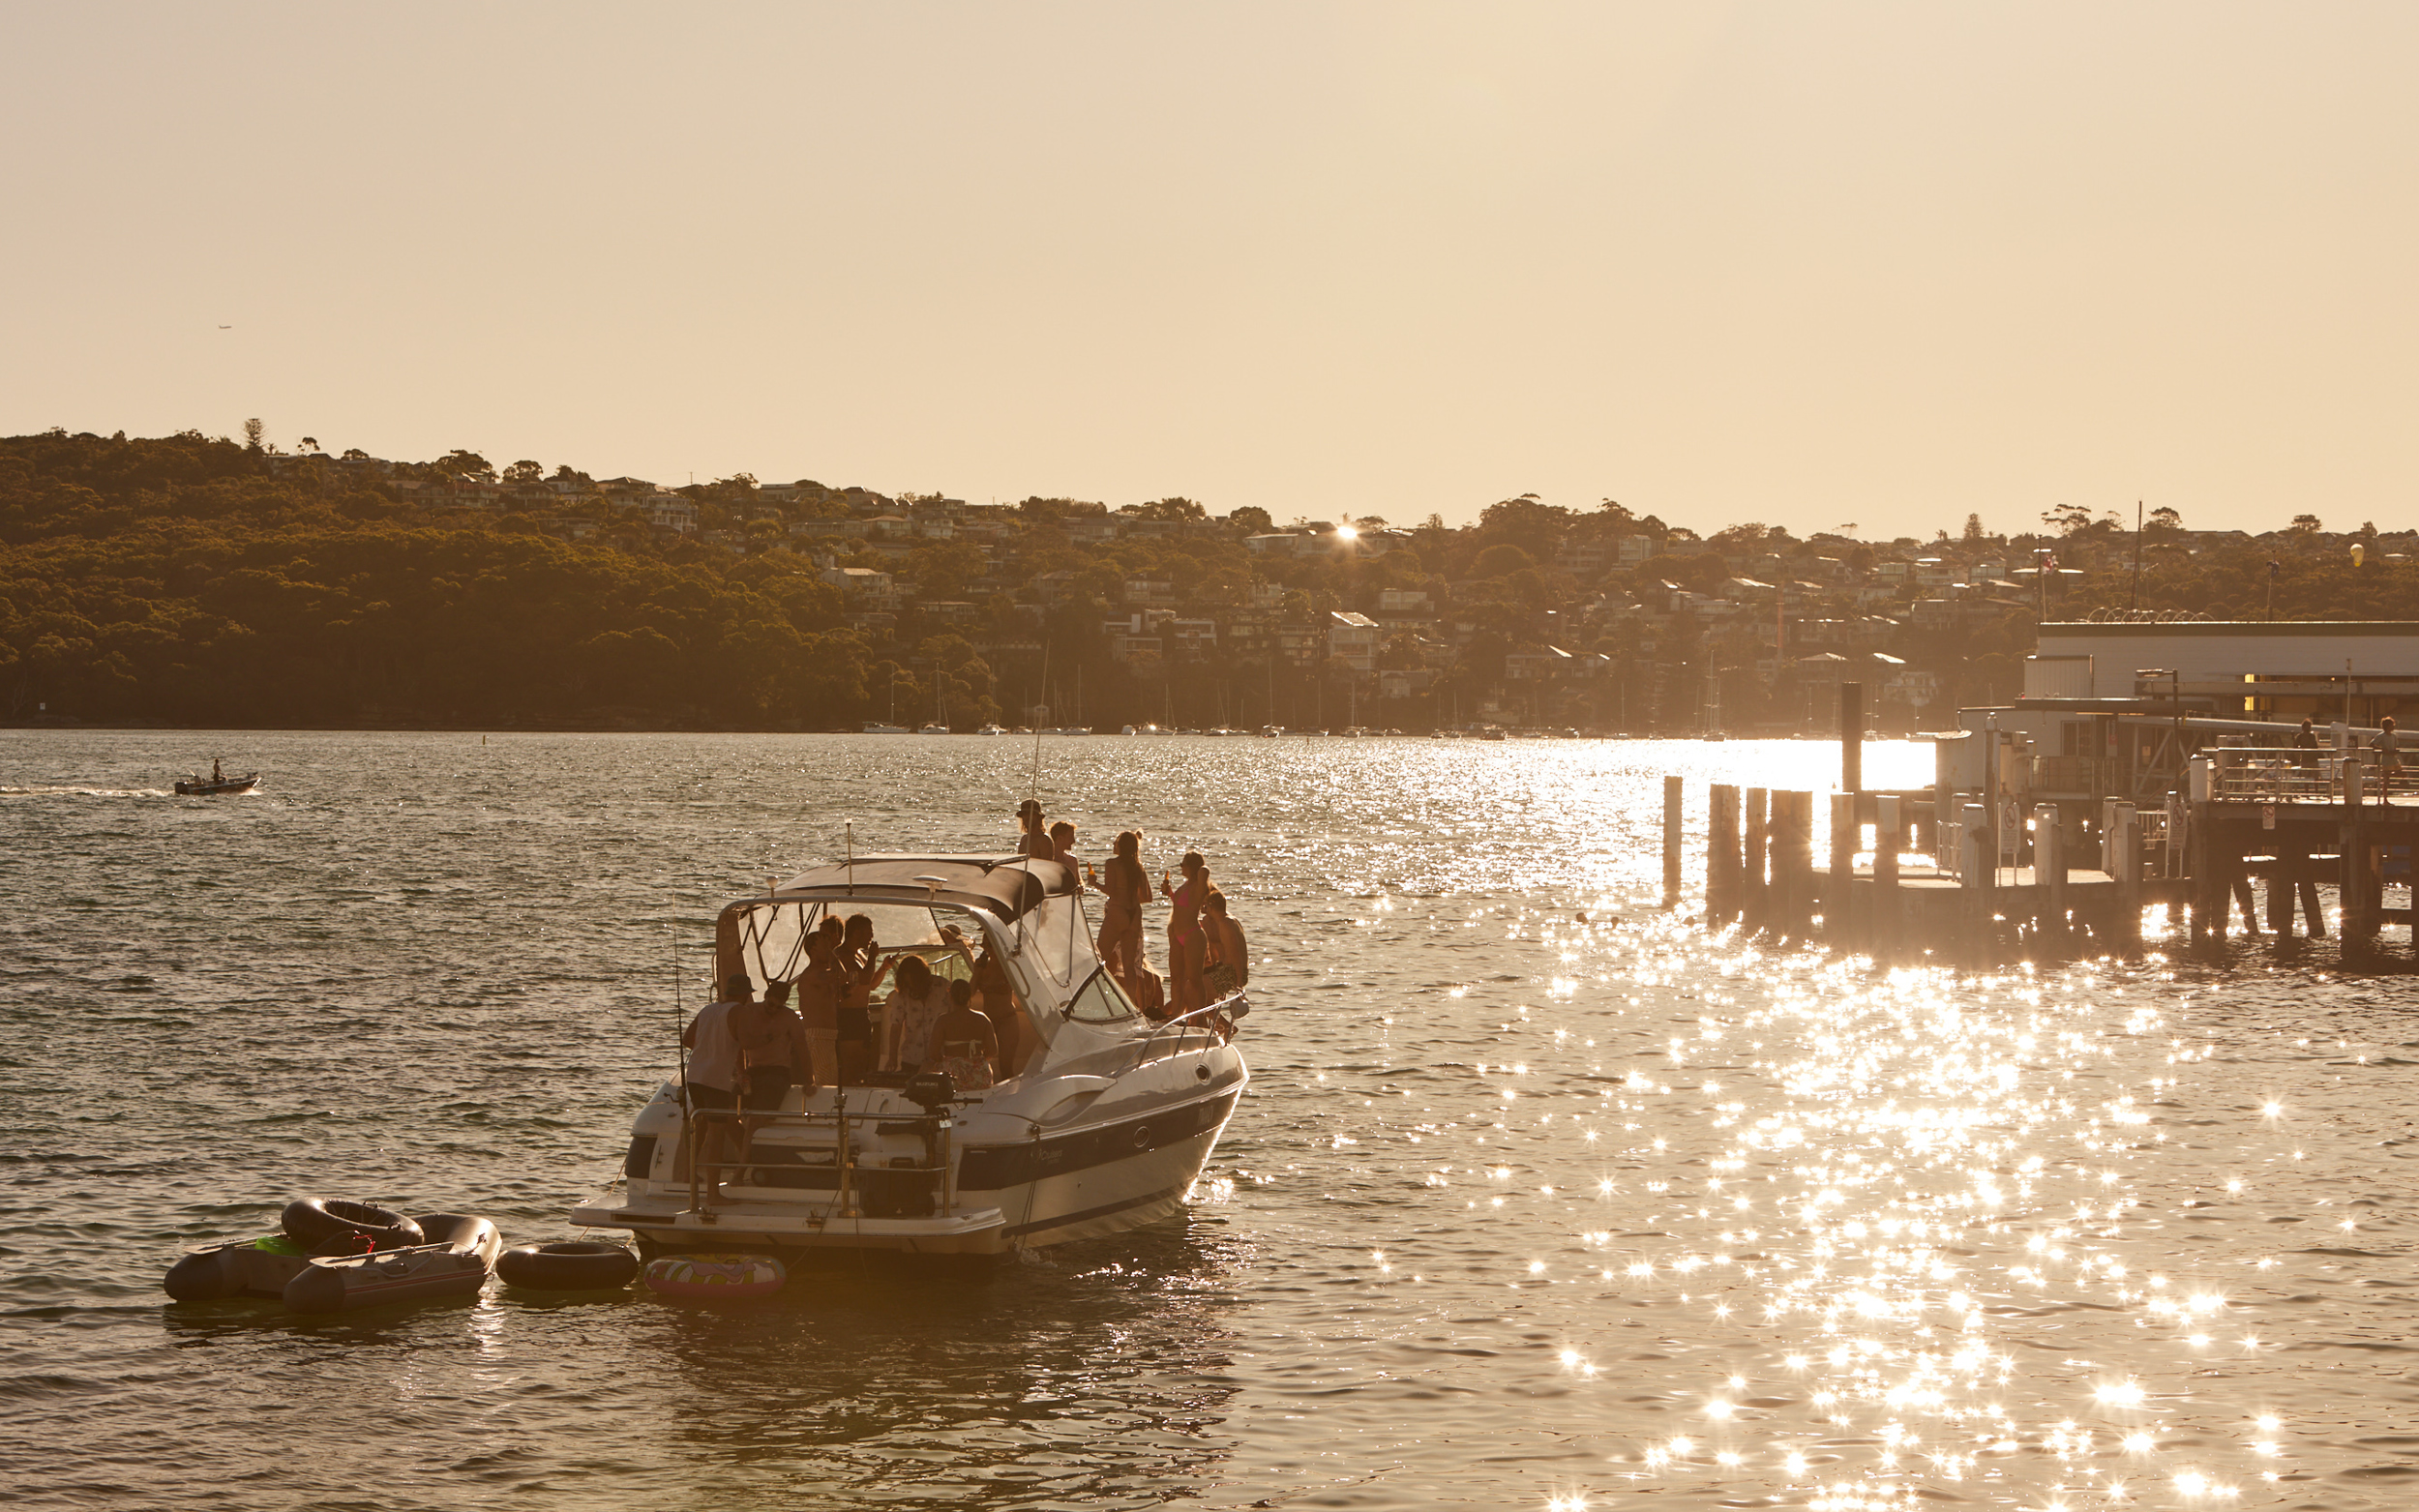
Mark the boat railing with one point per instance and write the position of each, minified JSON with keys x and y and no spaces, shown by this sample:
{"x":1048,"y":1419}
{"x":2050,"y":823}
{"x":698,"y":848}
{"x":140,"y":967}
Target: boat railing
{"x":1216,"y":1019}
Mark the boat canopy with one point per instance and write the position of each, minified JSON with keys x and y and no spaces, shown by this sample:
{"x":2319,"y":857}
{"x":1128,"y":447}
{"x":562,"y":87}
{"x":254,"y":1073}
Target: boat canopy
{"x":1003,"y":886}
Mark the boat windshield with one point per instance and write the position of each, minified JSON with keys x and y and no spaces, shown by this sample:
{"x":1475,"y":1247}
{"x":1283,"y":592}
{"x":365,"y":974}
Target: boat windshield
{"x":768,"y":938}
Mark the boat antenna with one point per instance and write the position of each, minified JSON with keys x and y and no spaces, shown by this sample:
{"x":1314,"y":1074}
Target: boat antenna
{"x":1040,"y":711}
{"x":679,"y":1017}
{"x":847,"y":833}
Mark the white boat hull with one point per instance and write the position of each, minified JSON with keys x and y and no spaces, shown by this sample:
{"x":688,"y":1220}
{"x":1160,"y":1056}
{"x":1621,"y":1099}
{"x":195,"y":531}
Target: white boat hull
{"x":1008,"y":1188}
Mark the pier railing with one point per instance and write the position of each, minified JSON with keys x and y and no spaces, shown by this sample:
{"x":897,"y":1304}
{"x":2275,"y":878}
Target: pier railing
{"x":2245,"y":776}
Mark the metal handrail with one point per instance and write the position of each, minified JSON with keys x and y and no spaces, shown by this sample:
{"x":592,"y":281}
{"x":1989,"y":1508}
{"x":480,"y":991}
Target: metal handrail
{"x":1240,"y":994}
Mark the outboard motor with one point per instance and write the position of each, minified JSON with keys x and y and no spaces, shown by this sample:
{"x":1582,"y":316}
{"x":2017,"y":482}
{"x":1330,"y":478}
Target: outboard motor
{"x":932,"y":1090}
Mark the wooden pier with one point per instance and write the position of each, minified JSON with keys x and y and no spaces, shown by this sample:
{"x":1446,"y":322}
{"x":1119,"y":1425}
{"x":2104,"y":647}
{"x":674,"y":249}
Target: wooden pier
{"x":1928,"y":874}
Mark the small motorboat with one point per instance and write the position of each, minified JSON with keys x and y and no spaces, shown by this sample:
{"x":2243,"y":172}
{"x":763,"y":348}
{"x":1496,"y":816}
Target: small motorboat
{"x":934,"y":729}
{"x":878,"y":728}
{"x":196,"y":785}
{"x":453,"y":1259}
{"x":1096,"y":1119}
{"x":991,"y":730}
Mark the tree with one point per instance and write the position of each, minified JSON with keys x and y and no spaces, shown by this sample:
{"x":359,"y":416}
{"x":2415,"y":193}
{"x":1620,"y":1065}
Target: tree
{"x":354,"y":454}
{"x":1169,"y":508}
{"x":2307,"y":524}
{"x":523,"y":471}
{"x":1975,"y":535}
{"x":309,"y":443}
{"x":466,"y":464}
{"x":2068,"y":519}
{"x":1252,"y":519}
{"x":2164,"y":520}
{"x":254,"y":430}
{"x":1499,"y":561}
{"x":943,"y":569}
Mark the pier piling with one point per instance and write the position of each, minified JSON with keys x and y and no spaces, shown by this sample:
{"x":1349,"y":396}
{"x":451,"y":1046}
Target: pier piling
{"x":2087,"y":875}
{"x":1672,"y":798}
{"x":1755,"y":891}
{"x":1721,"y":855}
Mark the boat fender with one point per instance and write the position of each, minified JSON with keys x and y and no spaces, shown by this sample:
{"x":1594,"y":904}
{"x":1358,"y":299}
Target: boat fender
{"x":338,"y":1228}
{"x":715,"y":1276}
{"x":568,"y":1267}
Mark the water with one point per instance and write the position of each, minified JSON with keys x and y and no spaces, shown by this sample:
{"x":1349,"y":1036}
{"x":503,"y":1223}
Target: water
{"x":1525,"y":1209}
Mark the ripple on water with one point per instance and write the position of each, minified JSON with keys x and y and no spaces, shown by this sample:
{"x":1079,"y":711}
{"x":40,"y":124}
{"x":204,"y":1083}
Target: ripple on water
{"x":1541,"y":1197}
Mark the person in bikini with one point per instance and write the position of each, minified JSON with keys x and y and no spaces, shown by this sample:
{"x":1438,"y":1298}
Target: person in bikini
{"x":1125,"y":889}
{"x":822,"y":986}
{"x":963,"y":1043}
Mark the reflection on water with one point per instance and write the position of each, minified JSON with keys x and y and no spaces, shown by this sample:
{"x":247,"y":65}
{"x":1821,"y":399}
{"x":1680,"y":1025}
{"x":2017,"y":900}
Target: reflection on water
{"x":1541,"y":1197}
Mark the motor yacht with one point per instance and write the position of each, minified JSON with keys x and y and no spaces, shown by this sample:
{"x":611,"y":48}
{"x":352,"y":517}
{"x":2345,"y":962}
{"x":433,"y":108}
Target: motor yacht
{"x":1099,"y":1119}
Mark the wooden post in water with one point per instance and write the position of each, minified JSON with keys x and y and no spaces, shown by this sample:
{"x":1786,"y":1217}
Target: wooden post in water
{"x":1795,"y":860}
{"x":1838,"y":900}
{"x":2121,"y":857}
{"x":2282,"y":873}
{"x":1671,"y":842}
{"x":2049,"y":872}
{"x":1754,"y":892}
{"x":1884,"y":927}
{"x":1851,"y":738}
{"x":1721,"y":855}
{"x":1978,"y":875}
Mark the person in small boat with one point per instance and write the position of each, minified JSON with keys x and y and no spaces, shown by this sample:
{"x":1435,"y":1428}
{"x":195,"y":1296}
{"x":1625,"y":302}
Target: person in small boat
{"x":711,"y":1080}
{"x":963,"y":1044}
{"x":1032,"y":836}
{"x":908,"y":1015}
{"x":1229,"y":963}
{"x":1126,"y":890}
{"x":215,"y":775}
{"x":1186,"y":944}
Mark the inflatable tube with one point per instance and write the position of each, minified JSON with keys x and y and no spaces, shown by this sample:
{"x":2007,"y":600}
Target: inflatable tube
{"x":567,"y":1268}
{"x":339,"y":1228}
{"x":715,"y":1276}
{"x":454,"y":1264}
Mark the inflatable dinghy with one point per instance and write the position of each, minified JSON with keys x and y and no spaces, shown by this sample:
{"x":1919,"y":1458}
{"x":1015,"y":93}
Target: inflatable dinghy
{"x":452,"y":1257}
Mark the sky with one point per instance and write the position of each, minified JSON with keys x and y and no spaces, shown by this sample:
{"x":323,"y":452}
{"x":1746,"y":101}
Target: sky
{"x":1879,"y":264}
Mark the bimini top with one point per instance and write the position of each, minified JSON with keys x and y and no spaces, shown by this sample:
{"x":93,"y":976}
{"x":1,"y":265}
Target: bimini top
{"x":1006,"y":886}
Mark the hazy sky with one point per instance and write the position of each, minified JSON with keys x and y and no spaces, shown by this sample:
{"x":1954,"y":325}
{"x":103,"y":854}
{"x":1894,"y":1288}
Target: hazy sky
{"x":1806,"y":264}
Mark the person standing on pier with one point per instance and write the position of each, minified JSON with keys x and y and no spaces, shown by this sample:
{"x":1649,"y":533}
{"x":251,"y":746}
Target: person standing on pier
{"x":2389,"y":760}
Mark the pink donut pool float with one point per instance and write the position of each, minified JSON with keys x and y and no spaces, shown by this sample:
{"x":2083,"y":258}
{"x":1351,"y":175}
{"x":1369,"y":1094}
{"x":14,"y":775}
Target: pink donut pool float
{"x":715,"y":1275}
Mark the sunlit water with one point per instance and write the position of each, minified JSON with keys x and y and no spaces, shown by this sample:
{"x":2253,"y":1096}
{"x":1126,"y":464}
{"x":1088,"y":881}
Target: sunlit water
{"x":1541,"y":1197}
